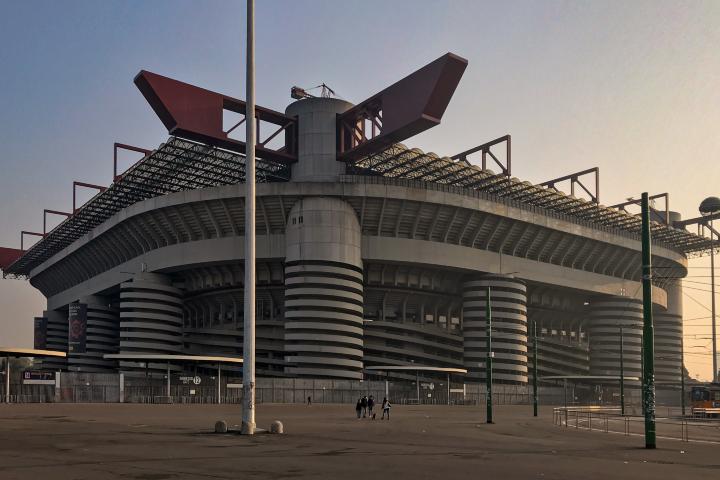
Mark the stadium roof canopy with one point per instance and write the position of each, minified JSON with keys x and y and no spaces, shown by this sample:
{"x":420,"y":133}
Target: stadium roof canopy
{"x":180,"y":164}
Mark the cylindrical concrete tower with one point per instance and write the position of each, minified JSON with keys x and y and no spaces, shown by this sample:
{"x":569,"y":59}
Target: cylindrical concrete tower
{"x":103,"y":327}
{"x":668,"y":338}
{"x":508,"y":297}
{"x":606,"y":316}
{"x":323,"y":290}
{"x":317,"y":139}
{"x":151,"y":317}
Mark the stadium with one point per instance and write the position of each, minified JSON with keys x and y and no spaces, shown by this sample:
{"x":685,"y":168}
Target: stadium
{"x":370,"y":253}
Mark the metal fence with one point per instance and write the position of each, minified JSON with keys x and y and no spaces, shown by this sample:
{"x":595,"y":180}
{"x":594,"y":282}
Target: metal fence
{"x":75,"y":387}
{"x":669,"y":422}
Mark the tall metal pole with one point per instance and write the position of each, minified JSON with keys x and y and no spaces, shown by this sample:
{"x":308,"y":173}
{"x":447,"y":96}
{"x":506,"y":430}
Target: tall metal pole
{"x":535,"y":370}
{"x":248,"y":415}
{"x":488,"y":363}
{"x":622,"y":372}
{"x":682,"y":376}
{"x":648,"y":333}
{"x":7,"y":379}
{"x":448,"y":388}
{"x":417,"y":385}
{"x":642,"y":375}
{"x":712,"y":305}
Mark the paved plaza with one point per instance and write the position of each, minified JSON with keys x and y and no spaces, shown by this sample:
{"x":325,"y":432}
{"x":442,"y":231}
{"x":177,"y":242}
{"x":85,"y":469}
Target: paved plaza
{"x":157,"y":442}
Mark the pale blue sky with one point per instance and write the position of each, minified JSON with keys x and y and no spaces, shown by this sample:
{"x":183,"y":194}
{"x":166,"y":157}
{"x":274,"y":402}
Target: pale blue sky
{"x":631,"y":87}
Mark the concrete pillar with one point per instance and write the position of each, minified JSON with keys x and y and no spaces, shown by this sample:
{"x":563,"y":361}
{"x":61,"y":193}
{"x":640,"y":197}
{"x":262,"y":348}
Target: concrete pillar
{"x":317,"y":139}
{"x":668,"y":338}
{"x":509,"y":314}
{"x":323,"y":290}
{"x":606,"y":316}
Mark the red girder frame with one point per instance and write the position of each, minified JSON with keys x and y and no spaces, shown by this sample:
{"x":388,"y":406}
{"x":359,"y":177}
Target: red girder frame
{"x":663,"y":216}
{"x":197,"y":114}
{"x":485,"y":148}
{"x":574,"y":179}
{"x":22,"y":238}
{"x":406,"y":108}
{"x":76,"y":184}
{"x":52,"y":212}
{"x":122,"y":146}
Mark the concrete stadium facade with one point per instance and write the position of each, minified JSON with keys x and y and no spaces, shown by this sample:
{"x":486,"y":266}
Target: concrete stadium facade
{"x":356,"y":271}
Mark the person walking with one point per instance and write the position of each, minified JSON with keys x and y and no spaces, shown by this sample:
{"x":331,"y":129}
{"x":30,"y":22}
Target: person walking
{"x":358,"y":407}
{"x":385,"y":409}
{"x":371,"y":405}
{"x":364,"y":405}
{"x":309,"y":401}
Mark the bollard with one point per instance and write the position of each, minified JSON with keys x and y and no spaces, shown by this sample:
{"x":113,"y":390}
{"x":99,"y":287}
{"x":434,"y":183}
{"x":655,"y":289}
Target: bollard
{"x":277,"y":427}
{"x":221,"y":426}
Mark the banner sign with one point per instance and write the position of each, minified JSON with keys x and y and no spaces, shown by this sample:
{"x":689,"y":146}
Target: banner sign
{"x":77,"y":327}
{"x":31,"y":377}
{"x":193,"y":380}
{"x":40,"y":341}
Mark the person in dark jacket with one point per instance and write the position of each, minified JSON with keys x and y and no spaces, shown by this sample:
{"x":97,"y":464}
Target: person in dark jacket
{"x":364,"y":405}
{"x":371,"y":405}
{"x":358,"y":407}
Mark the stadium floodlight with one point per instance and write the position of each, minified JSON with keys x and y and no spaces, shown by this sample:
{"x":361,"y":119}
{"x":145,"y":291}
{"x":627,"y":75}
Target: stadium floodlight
{"x":710,"y":206}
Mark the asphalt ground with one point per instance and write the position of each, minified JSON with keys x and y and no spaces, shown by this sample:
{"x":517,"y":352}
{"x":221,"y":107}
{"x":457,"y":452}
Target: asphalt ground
{"x":157,"y":442}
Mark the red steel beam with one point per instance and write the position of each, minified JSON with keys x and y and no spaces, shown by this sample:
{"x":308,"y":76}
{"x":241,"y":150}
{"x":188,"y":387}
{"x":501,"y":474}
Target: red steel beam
{"x":406,"y":108}
{"x":22,"y":238}
{"x":195,"y":113}
{"x":85,"y":185}
{"x":123,"y":146}
{"x":53,"y":212}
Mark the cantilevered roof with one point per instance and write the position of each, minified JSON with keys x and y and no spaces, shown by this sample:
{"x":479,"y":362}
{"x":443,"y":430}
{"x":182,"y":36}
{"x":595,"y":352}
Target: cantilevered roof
{"x":399,"y":161}
{"x":181,"y":164}
{"x":176,"y":165}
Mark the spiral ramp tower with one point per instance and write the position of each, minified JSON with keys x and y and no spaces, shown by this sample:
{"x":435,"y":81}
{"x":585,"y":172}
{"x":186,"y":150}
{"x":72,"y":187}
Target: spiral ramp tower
{"x":151,"y":319}
{"x":508,"y":297}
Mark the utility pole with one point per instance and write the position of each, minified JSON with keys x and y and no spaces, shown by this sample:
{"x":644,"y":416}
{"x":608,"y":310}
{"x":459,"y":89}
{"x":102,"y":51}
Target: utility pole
{"x":622,"y":373}
{"x":535,"y":370}
{"x":682,"y":376}
{"x":248,"y":414}
{"x":642,"y":375}
{"x":648,"y":333}
{"x":488,"y":363}
{"x":712,"y":304}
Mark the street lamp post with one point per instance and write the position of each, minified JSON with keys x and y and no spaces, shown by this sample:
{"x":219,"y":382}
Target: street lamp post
{"x":535,"y":370}
{"x":622,"y":374}
{"x":710,"y":206}
{"x":488,"y":364}
{"x":248,"y":414}
{"x":648,"y":380}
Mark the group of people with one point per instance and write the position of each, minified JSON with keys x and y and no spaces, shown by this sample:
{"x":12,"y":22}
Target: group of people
{"x":366,"y":405}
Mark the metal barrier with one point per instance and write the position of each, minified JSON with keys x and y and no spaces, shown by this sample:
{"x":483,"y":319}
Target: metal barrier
{"x":609,"y":420}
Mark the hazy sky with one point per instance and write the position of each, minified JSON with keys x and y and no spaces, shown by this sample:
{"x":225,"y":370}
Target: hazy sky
{"x":631,"y":87}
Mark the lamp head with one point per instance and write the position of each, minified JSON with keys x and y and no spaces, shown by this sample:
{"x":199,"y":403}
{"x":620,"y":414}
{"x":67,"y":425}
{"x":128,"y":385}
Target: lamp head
{"x":709,"y":206}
